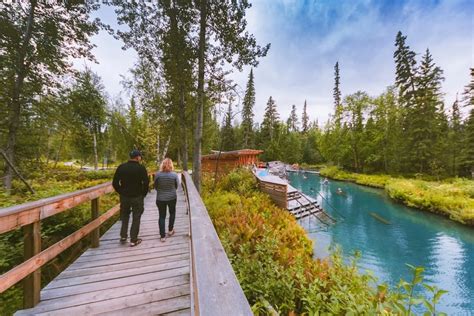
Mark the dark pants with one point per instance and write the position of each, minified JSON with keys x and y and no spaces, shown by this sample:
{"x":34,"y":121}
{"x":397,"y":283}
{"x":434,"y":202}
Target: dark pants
{"x":162,"y":219}
{"x":132,"y":205}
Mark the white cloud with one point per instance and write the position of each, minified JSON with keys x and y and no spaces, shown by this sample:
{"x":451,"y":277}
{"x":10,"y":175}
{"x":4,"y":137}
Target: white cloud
{"x":300,"y":66}
{"x":309,"y":37}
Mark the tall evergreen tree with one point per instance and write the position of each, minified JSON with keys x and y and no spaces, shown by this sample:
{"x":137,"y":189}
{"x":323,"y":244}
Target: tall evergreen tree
{"x":227,"y":132}
{"x":293,"y":119}
{"x":468,"y":148}
{"x":468,"y":94}
{"x":270,"y":122}
{"x":455,"y":137}
{"x":247,"y":113}
{"x":426,"y":117}
{"x":405,"y":71}
{"x":337,"y":97}
{"x":304,"y":119}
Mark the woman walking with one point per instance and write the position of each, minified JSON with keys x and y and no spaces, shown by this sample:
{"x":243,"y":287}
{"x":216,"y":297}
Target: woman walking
{"x":166,"y":183}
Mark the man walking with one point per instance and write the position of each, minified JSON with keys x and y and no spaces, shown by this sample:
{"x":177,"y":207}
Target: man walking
{"x":131,"y":182}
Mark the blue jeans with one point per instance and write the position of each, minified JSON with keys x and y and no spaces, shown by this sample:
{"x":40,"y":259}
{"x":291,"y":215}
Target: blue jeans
{"x":162,"y":219}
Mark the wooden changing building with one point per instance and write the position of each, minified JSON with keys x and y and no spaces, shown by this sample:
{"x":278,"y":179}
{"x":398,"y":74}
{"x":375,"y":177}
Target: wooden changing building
{"x":229,"y":160}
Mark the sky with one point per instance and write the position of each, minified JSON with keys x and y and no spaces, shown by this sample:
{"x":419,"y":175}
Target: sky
{"x":309,"y":36}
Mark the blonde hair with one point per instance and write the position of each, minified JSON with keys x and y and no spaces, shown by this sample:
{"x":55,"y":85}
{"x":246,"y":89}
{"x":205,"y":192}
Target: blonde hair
{"x":166,"y":165}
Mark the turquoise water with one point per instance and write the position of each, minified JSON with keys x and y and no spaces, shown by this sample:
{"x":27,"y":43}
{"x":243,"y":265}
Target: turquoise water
{"x":444,"y":248}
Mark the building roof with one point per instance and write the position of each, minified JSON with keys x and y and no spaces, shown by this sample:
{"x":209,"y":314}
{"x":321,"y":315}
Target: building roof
{"x":232,"y":154}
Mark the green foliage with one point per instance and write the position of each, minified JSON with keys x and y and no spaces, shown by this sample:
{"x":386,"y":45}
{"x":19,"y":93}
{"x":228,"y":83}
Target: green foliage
{"x":407,"y":299}
{"x":454,"y":198}
{"x":272,"y":257}
{"x":377,"y":181}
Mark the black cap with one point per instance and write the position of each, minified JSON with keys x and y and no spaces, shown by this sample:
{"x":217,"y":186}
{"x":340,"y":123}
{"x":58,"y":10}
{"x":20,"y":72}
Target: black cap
{"x":135,"y":153}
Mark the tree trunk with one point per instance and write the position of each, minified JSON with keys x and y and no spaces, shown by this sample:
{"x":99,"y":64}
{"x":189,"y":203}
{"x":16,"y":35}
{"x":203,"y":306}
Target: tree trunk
{"x":165,"y":149}
{"x":158,"y":148}
{"x":96,"y":158}
{"x":200,"y":94}
{"x":15,"y":103}
{"x":182,"y":111}
{"x":59,"y":151}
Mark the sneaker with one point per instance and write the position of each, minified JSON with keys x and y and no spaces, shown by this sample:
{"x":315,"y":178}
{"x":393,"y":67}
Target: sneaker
{"x":123,"y":240}
{"x":171,"y":233}
{"x":135,"y":243}
{"x":163,"y":239}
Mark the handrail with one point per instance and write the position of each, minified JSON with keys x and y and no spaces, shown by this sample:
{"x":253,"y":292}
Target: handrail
{"x":20,"y":215}
{"x":216,"y":290}
{"x":325,"y":213}
{"x":334,"y":209}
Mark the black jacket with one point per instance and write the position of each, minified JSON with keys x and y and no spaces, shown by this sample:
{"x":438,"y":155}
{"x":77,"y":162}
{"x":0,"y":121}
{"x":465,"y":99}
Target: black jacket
{"x":131,"y":179}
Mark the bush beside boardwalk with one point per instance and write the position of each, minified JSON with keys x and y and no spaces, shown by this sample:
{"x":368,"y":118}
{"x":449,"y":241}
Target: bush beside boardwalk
{"x":48,"y":183}
{"x":453,"y":198}
{"x":272,"y":258}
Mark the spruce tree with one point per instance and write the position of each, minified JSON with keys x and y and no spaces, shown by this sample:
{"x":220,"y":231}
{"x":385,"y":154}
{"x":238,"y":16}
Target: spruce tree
{"x":293,"y":119}
{"x":426,"y":117}
{"x":247,"y":112}
{"x":405,"y":71}
{"x":468,"y":94}
{"x":467,"y":162}
{"x":227,"y":132}
{"x":455,"y":137}
{"x":405,"y":81}
{"x":270,"y":121}
{"x":304,"y":119}
{"x":337,"y":97}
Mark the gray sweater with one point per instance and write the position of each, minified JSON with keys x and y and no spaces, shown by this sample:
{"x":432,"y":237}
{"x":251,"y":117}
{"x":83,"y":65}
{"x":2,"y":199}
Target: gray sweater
{"x":166,"y":184}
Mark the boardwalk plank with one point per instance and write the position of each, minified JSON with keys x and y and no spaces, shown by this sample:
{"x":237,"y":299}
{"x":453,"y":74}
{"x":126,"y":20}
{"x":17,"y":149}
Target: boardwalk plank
{"x":157,"y":308}
{"x":103,"y":295}
{"x":100,"y":263}
{"x":121,"y":266}
{"x":47,"y":294}
{"x":133,"y":252}
{"x":124,"y":305}
{"x":118,"y":274}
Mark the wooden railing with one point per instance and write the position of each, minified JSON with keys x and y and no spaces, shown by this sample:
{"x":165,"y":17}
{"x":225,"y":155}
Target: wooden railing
{"x":29,"y":216}
{"x":215,"y":288}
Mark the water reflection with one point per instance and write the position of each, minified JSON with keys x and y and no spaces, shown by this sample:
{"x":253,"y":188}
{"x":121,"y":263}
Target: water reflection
{"x":444,"y":248}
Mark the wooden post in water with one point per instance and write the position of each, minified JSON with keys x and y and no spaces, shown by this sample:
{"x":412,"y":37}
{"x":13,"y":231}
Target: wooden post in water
{"x":32,"y":246}
{"x":95,"y":234}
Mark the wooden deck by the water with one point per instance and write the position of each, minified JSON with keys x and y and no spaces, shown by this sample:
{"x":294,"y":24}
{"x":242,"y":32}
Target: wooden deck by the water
{"x":149,"y":279}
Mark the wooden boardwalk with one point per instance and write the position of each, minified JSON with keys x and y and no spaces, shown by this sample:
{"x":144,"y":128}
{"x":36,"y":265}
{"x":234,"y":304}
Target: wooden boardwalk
{"x":152,"y":278}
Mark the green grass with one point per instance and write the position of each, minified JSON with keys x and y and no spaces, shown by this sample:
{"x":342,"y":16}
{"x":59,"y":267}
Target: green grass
{"x":453,"y":198}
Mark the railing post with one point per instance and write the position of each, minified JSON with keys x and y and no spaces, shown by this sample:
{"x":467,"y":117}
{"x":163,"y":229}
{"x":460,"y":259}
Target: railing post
{"x":32,"y":246}
{"x":95,"y":234}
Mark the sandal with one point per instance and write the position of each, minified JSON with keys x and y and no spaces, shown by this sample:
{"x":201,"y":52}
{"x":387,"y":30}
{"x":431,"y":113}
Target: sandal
{"x":171,"y":233}
{"x":123,"y":240}
{"x":163,"y":239}
{"x":135,"y":243}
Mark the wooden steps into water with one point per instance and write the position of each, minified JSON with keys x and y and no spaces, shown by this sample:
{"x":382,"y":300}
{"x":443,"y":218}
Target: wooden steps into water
{"x":149,"y":279}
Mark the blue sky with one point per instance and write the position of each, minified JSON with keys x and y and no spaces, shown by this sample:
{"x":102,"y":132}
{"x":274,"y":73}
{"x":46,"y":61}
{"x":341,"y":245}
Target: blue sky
{"x":309,"y":36}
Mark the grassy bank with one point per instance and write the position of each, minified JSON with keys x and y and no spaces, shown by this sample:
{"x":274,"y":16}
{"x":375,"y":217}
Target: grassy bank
{"x":49,"y":183}
{"x":272,"y":258}
{"x":453,"y":198}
